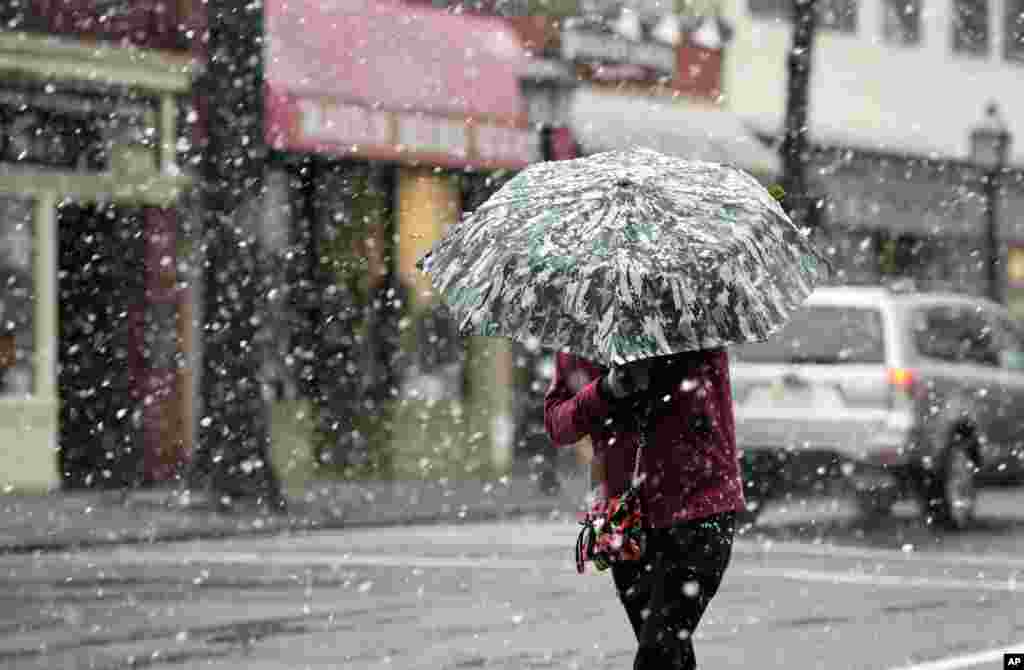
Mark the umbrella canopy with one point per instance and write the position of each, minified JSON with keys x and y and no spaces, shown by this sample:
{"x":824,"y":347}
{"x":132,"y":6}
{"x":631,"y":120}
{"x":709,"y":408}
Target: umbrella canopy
{"x":625,"y":255}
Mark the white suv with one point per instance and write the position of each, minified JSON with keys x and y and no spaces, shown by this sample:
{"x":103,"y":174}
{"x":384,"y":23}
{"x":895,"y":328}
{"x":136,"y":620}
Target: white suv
{"x":899,"y":393}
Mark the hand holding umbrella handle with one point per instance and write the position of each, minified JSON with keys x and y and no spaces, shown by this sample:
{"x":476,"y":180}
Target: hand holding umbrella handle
{"x":618,"y":383}
{"x":626,"y":380}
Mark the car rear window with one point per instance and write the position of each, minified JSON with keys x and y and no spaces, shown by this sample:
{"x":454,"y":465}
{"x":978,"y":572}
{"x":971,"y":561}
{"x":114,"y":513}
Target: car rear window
{"x":823,"y":334}
{"x":955,"y":334}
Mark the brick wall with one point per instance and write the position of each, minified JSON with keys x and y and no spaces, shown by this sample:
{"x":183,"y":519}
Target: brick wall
{"x":157,"y":24}
{"x":699,"y":72}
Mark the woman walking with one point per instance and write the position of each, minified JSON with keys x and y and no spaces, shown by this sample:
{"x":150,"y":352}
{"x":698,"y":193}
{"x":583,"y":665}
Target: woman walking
{"x":691,"y":489}
{"x":638,"y":256}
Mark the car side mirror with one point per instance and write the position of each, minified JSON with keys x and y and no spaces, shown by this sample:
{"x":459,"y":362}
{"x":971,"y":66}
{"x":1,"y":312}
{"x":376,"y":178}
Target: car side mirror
{"x":1012,"y":360}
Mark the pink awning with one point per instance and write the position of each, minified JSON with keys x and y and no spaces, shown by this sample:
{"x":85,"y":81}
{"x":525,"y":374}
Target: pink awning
{"x":380,"y":79}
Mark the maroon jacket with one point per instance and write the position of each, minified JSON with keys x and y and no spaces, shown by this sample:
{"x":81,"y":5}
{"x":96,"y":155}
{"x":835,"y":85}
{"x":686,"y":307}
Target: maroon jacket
{"x":691,"y":465}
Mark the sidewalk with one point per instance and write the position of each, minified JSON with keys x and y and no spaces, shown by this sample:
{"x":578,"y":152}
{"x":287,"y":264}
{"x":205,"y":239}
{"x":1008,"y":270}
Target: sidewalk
{"x":69,"y":521}
{"x":66,"y":521}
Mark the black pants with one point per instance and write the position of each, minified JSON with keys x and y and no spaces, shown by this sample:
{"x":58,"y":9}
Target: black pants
{"x":666,"y":593}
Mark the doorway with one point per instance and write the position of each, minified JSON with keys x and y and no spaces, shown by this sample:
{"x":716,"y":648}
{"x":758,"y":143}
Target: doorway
{"x":100,"y":298}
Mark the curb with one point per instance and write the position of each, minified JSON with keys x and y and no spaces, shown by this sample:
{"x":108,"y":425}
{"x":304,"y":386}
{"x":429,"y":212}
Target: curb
{"x":292,"y":527}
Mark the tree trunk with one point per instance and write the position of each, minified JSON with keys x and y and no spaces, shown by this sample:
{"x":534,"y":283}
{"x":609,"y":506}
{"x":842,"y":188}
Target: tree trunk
{"x":233,"y":458}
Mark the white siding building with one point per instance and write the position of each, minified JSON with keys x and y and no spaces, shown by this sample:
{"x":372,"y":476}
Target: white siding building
{"x":915,"y":85}
{"x":896,"y":87}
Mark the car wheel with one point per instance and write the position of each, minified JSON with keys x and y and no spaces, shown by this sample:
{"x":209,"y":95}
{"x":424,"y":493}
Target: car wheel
{"x":953,"y":494}
{"x":761,"y":483}
{"x":549,"y":483}
{"x":875,"y":504}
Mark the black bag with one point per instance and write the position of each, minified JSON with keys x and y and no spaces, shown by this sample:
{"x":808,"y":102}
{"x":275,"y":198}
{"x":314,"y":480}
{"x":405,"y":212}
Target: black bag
{"x":615,"y":528}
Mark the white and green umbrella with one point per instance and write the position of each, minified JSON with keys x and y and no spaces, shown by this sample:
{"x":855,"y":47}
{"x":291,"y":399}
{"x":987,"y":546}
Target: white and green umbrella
{"x":625,"y":255}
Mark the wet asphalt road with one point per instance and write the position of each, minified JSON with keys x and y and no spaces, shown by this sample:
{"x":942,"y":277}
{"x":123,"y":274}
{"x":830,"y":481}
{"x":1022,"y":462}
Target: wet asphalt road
{"x":811,"y":587}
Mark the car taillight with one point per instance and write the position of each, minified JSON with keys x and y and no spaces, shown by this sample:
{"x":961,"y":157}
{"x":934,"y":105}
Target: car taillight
{"x":901,"y":378}
{"x":903,"y":382}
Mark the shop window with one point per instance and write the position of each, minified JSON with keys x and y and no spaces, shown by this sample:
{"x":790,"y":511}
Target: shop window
{"x":905,"y":255}
{"x":72,"y":132}
{"x":839,"y":15}
{"x":1015,"y":266}
{"x":350,"y":238}
{"x":44,"y":137}
{"x":970,"y":27}
{"x":901,"y":22}
{"x":1013,"y":28}
{"x":17,"y":304}
{"x":429,"y":202}
{"x":335,"y":338}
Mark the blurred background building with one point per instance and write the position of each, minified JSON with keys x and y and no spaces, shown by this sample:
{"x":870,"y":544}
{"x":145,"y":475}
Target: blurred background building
{"x":91,"y":390}
{"x":897,"y":86}
{"x":645,"y":73}
{"x":608,"y":76}
{"x":377,"y":149}
{"x":385,"y":123}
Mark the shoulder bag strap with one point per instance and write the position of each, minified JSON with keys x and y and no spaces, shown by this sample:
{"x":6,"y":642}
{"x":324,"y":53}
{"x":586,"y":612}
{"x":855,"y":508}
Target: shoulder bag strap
{"x":644,"y":424}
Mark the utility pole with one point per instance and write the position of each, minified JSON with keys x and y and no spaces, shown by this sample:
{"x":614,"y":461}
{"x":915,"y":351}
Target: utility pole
{"x":795,"y":146}
{"x":233,"y":456}
{"x":994,"y":266}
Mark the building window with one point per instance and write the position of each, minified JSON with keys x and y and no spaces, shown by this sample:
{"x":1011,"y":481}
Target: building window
{"x":970,"y":27}
{"x":1014,"y":31}
{"x":770,"y":9}
{"x":839,"y":15}
{"x":902,"y":21}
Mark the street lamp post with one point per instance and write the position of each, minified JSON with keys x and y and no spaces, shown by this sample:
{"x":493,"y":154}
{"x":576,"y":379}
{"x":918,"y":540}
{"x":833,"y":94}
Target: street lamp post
{"x":547,"y":87}
{"x":795,"y":146}
{"x":990,"y":146}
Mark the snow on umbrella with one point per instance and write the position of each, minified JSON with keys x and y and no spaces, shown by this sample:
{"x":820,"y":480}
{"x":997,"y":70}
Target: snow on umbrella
{"x":625,"y":255}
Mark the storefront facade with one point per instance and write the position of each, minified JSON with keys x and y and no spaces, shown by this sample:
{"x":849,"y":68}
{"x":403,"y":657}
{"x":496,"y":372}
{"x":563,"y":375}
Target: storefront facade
{"x":892,"y":216}
{"x":654,"y":90}
{"x":378,"y":150}
{"x":89,"y":184}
